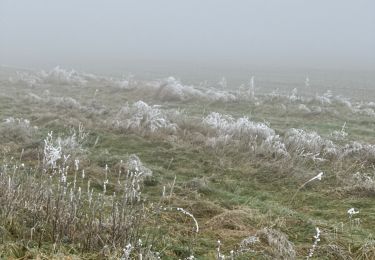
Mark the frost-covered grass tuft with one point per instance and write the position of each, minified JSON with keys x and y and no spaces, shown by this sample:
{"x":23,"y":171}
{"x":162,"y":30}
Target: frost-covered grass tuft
{"x":142,"y":117}
{"x":302,"y":142}
{"x":243,"y":131}
{"x":17,"y":130}
{"x":56,"y":76}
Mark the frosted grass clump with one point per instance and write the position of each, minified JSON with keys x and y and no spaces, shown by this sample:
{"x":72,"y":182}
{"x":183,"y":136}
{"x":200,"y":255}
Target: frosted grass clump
{"x":364,"y":111}
{"x":303,"y":108}
{"x":301,"y":142}
{"x":135,"y":164}
{"x":61,"y":76}
{"x":293,"y":96}
{"x":364,"y":181}
{"x":52,"y":151}
{"x":17,"y":121}
{"x":280,"y":246}
{"x":243,"y":131}
{"x":56,"y":76}
{"x":141,"y":116}
{"x":25,"y":78}
{"x":325,"y":99}
{"x":58,"y":102}
{"x":63,"y":147}
{"x":73,"y":143}
{"x":364,"y":151}
{"x":240,"y":128}
{"x":340,"y":135}
{"x":222,"y":96}
{"x":172,"y":89}
{"x":274,"y":145}
{"x":18,"y":130}
{"x":343,"y":101}
{"x":135,"y":175}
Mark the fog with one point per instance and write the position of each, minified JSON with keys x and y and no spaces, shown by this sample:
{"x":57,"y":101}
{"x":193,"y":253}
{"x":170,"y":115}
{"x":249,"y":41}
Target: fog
{"x":105,"y":35}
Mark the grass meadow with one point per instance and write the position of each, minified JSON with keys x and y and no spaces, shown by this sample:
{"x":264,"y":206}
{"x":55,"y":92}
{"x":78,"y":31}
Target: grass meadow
{"x":99,"y":167}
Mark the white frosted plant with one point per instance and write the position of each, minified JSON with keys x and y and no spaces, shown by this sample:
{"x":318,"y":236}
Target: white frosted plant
{"x":293,"y":97}
{"x":135,"y":175}
{"x":172,"y":89}
{"x":315,"y":244}
{"x":364,"y":180}
{"x":52,"y":151}
{"x":301,"y":142}
{"x":304,"y":108}
{"x":217,"y":95}
{"x":56,"y":76}
{"x":73,"y":143}
{"x":61,"y":76}
{"x":141,"y":116}
{"x":242,"y":130}
{"x":17,"y":121}
{"x":274,"y":145}
{"x":325,"y":99}
{"x":340,"y":135}
{"x":364,"y":151}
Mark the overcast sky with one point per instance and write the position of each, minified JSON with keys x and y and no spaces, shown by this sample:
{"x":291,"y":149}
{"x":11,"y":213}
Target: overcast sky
{"x":290,"y":33}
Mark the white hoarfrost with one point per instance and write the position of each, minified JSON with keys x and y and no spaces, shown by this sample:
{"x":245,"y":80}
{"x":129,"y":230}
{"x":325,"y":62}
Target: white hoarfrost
{"x":240,"y":128}
{"x":302,"y":142}
{"x":171,"y":89}
{"x":56,"y":76}
{"x":141,"y":116}
{"x":244,"y":131}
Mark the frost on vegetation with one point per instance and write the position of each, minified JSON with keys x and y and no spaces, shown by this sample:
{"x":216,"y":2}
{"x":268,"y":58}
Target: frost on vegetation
{"x":242,"y":128}
{"x":56,"y":76}
{"x":25,"y":123}
{"x":363,"y":110}
{"x":247,"y":245}
{"x":244,"y":131}
{"x":303,"y":108}
{"x":17,"y":129}
{"x":357,"y":149}
{"x":325,"y":99}
{"x":294,"y":95}
{"x":141,"y":116}
{"x":74,"y":141}
{"x":135,"y":164}
{"x":343,"y":101}
{"x":274,"y":145}
{"x":364,"y":181}
{"x":135,"y":175}
{"x":340,"y":135}
{"x":171,"y":89}
{"x":57,"y":148}
{"x":279,"y":245}
{"x":315,"y":244}
{"x":59,"y":102}
{"x":302,"y":142}
{"x":52,"y":152}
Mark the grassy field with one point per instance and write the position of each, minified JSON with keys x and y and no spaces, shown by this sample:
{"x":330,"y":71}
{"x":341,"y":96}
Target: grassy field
{"x":241,"y":177}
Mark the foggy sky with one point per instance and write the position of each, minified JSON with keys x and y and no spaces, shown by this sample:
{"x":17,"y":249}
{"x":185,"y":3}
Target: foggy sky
{"x":282,"y":33}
